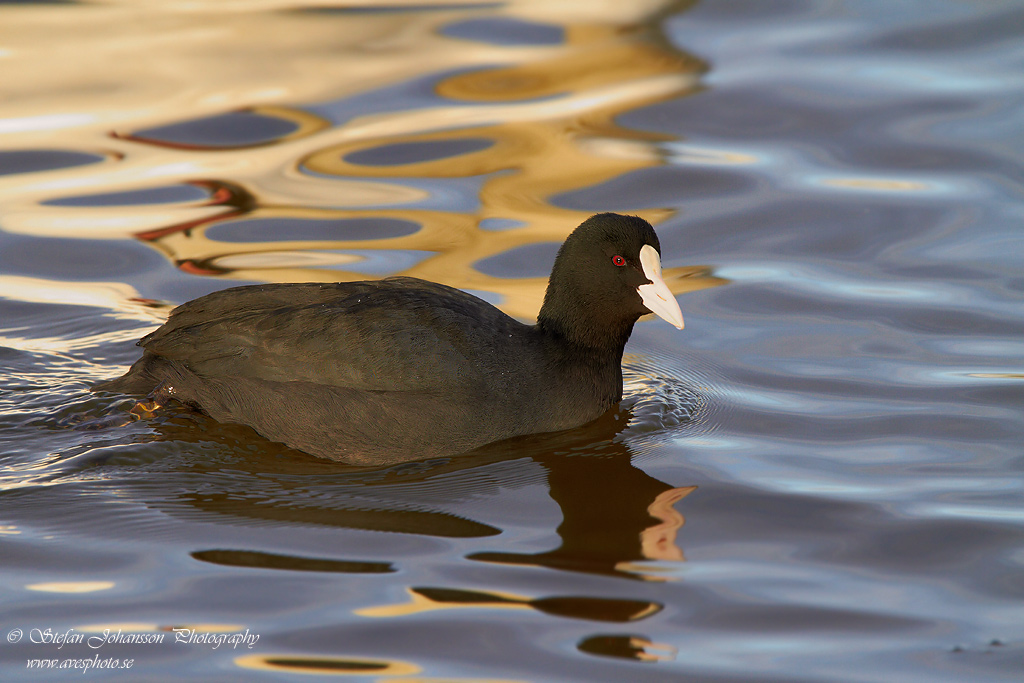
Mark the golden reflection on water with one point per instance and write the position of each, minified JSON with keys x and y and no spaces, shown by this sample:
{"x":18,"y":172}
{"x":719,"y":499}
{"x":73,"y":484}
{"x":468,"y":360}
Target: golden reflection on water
{"x":425,"y":599}
{"x":123,"y":299}
{"x":330,"y":665}
{"x":119,"y":300}
{"x":539,"y":120}
{"x":878,"y":184}
{"x":71,"y":586}
{"x":658,"y":542}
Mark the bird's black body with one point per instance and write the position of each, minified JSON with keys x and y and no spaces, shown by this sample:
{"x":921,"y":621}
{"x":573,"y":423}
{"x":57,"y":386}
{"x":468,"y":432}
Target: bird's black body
{"x":400,"y":369}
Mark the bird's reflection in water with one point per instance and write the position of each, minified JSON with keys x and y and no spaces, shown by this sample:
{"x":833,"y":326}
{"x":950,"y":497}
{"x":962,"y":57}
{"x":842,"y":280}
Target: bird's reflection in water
{"x":614,"y":515}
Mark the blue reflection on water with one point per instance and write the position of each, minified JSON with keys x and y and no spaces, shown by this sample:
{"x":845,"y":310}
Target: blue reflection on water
{"x":808,"y":278}
{"x":379,"y":262}
{"x":506,"y":31}
{"x":286,"y":229}
{"x":406,"y":97}
{"x":234,"y":129}
{"x":460,"y":195}
{"x":414,"y":152}
{"x":500,"y":224}
{"x":36,"y":160}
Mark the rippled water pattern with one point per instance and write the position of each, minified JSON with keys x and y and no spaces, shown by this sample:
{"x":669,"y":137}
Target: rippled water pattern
{"x":820,"y":479}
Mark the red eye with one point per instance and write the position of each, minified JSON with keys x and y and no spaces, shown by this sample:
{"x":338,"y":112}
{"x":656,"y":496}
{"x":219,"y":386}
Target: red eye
{"x":618,"y":260}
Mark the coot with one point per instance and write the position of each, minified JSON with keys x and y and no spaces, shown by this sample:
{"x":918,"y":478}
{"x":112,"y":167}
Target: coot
{"x":373,"y":373}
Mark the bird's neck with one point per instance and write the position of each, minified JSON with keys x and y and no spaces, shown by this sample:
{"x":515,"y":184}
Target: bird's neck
{"x":594,"y":338}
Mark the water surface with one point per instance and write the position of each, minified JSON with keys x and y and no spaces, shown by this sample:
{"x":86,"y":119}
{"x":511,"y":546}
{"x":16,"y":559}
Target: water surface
{"x":820,"y":479}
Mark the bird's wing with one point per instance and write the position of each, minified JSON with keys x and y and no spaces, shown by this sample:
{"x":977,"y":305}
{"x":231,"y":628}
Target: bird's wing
{"x":398,"y":334}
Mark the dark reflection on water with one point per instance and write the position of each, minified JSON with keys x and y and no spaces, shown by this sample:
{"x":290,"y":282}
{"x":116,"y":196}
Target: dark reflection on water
{"x":820,"y":479}
{"x":259,"y":560}
{"x":612,"y":514}
{"x":626,"y":646}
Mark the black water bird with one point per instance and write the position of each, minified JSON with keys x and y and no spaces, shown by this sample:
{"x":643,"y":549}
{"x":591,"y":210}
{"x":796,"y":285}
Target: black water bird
{"x":373,"y":373}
